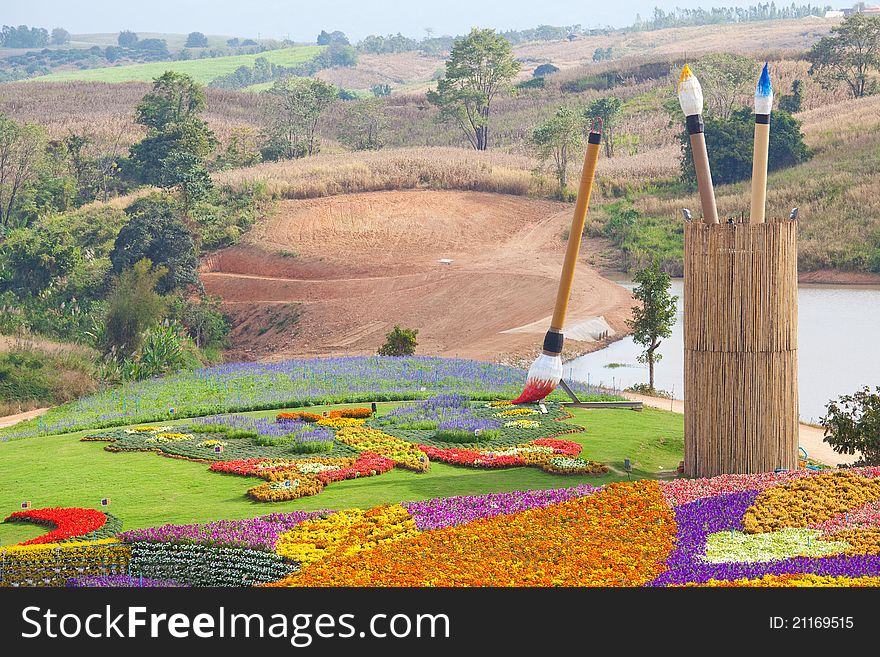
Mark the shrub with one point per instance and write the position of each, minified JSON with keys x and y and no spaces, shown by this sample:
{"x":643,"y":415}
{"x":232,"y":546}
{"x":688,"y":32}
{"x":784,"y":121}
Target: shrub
{"x":852,"y":424}
{"x":400,"y":342}
{"x":462,"y":436}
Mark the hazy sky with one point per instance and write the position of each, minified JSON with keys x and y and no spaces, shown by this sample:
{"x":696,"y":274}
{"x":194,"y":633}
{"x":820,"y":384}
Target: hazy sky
{"x":302,"y":20}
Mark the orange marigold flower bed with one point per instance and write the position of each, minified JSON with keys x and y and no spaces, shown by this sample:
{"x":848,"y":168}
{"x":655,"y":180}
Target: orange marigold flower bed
{"x":355,"y":413}
{"x":620,"y":536}
{"x":299,"y":415}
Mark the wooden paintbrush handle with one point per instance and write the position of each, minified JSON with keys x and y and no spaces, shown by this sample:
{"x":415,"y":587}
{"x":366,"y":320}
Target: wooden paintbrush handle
{"x":759,"y":172}
{"x":577,"y":229}
{"x":704,"y":178}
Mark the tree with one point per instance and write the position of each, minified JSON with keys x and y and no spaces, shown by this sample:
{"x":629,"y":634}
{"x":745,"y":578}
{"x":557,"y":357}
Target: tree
{"x":400,"y":342}
{"x":155,"y":232}
{"x":23,"y":37}
{"x":653,"y":320}
{"x":326,"y":38}
{"x":479,"y":67}
{"x":730,"y":145}
{"x":852,"y":424}
{"x":295,"y":106}
{"x":21,"y":152}
{"x":380,"y":90}
{"x":196,"y":40}
{"x":60,"y":36}
{"x":727,"y":81}
{"x":848,"y":54}
{"x":153,"y":48}
{"x":794,"y":102}
{"x":336,"y":54}
{"x":556,"y":138}
{"x":173,"y":153}
{"x":133,"y":307}
{"x":363,"y":125}
{"x":607,"y":109}
{"x":127,"y":39}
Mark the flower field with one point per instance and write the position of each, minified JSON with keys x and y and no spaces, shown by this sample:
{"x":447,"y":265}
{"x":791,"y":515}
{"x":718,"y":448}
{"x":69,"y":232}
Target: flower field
{"x":802,"y":528}
{"x":242,"y":387}
{"x":298,"y":454}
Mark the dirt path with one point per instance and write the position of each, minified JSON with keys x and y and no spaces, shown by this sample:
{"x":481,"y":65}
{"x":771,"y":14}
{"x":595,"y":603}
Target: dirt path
{"x":9,"y":420}
{"x":811,"y":438}
{"x":332,"y":276}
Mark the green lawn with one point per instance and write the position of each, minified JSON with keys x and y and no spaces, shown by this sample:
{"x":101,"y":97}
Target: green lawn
{"x":146,"y":489}
{"x":202,"y":70}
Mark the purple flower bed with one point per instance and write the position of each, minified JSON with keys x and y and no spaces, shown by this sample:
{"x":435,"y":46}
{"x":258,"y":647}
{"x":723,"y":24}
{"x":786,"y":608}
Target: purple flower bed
{"x":697,"y":520}
{"x":453,"y":511}
{"x":253,"y":533}
{"x":469,"y":424}
{"x":303,"y":431}
{"x":121,"y":581}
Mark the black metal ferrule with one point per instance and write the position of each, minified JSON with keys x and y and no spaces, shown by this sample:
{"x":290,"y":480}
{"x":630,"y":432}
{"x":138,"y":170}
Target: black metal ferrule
{"x":553,"y":342}
{"x":595,"y":138}
{"x":695,"y":124}
{"x":762,"y":118}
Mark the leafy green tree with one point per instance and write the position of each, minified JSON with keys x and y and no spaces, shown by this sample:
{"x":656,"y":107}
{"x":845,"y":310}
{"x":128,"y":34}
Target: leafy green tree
{"x":852,"y":425}
{"x":326,"y":38}
{"x":336,"y":54}
{"x":295,"y":107}
{"x":363,"y":125}
{"x":22,"y":148}
{"x":730,"y":144}
{"x":380,"y":90}
{"x":134,"y":306}
{"x":154,"y":49}
{"x":400,"y":342}
{"x":653,"y":319}
{"x":794,"y":102}
{"x":60,"y":36}
{"x":156,"y":233}
{"x":196,"y":40}
{"x":479,"y":67}
{"x":727,"y":80}
{"x":203,"y":320}
{"x":178,"y":141}
{"x":127,"y":39}
{"x":848,"y":54}
{"x":608,"y":109}
{"x":556,"y":138}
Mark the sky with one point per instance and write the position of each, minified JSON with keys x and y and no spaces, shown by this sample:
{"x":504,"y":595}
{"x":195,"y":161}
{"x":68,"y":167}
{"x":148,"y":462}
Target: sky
{"x":302,"y":20}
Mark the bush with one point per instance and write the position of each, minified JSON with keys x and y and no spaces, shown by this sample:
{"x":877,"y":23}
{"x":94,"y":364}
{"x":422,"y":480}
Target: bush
{"x":460,"y":436}
{"x":852,"y":424}
{"x":134,"y":306}
{"x":730,"y":143}
{"x":400,"y":342}
{"x":544,"y":69}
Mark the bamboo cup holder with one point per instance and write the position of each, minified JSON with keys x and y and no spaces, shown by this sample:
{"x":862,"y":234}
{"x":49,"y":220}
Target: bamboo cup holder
{"x":740,"y":348}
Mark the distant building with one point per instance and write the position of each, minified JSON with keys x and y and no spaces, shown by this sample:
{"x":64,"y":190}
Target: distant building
{"x":860,"y":8}
{"x":834,"y":13}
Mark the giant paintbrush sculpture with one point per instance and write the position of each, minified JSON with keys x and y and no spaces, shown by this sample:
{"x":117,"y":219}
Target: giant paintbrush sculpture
{"x":546,"y":372}
{"x":690,"y":96}
{"x":763,"y":106}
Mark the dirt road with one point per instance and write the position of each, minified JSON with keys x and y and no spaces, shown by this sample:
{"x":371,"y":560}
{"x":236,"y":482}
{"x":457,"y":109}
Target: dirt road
{"x":811,"y":438}
{"x":475,"y":273}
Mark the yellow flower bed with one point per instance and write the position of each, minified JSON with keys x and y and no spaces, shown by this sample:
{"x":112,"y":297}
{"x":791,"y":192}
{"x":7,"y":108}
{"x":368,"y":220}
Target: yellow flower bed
{"x":809,"y":500}
{"x":499,"y":404}
{"x":52,"y":564}
{"x":404,"y":454}
{"x":345,"y":533}
{"x":170,"y":438}
{"x":340,"y":422}
{"x":861,"y":541}
{"x":513,"y":412}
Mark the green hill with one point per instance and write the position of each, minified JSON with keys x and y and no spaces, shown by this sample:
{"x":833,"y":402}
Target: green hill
{"x":202,"y":70}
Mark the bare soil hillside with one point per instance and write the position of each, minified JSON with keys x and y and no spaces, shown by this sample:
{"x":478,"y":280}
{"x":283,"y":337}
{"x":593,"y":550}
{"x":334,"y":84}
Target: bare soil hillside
{"x":333,"y":275}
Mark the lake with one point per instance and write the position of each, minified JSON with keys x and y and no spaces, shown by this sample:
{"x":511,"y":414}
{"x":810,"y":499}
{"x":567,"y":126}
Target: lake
{"x":838,"y":348}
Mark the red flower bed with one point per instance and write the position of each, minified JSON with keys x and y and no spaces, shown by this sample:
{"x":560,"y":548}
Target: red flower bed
{"x":560,"y":447}
{"x":367,"y":464}
{"x":476,"y":459}
{"x":69,"y":523}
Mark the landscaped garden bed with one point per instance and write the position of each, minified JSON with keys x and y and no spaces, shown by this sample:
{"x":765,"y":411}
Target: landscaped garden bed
{"x":801,"y":528}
